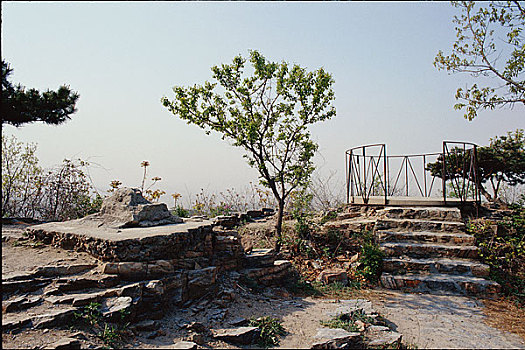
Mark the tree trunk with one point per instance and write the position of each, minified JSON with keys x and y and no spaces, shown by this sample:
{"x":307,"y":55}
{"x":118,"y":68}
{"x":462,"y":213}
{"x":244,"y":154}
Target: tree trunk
{"x":279,"y":226}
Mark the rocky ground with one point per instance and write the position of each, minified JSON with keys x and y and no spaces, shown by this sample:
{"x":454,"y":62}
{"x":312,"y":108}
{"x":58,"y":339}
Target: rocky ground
{"x":424,"y":321}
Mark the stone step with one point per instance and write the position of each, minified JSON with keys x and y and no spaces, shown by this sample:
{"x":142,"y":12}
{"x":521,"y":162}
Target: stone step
{"x":418,"y":225}
{"x":426,"y":236}
{"x":422,"y":213}
{"x":268,"y":275}
{"x":259,"y":258}
{"x":400,"y":266}
{"x":441,"y":284}
{"x":427,"y":250}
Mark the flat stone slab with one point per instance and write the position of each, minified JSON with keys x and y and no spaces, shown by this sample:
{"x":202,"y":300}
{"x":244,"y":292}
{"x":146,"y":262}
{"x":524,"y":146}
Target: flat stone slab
{"x":92,"y":230}
{"x":240,"y":335}
{"x":382,"y":337}
{"x":124,"y":244}
{"x":335,"y":338}
{"x":349,"y":306}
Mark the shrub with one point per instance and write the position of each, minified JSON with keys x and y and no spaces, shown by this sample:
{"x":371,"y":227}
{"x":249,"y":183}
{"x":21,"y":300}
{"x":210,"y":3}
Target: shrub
{"x":502,"y":247}
{"x":61,"y":193}
{"x":270,"y":330}
{"x":371,"y":258}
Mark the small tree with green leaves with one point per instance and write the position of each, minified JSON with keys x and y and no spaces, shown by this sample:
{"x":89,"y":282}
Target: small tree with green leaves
{"x":267,"y":113}
{"x":490,"y":43}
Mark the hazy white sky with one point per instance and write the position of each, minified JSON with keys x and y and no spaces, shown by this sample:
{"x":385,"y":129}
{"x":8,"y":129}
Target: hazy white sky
{"x":123,"y":57}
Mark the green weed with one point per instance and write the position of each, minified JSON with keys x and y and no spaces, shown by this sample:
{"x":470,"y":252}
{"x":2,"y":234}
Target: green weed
{"x":90,"y":313}
{"x":270,"y":330}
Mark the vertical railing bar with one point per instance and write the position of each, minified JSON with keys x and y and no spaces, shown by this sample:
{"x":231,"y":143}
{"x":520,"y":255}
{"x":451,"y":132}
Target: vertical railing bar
{"x":364,"y":174}
{"x":444,"y":174}
{"x":406,"y":174}
{"x":385,"y":173}
{"x":425,"y":174}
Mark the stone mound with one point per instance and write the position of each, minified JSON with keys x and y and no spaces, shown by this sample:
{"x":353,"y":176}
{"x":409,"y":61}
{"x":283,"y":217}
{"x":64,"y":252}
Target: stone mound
{"x":128,"y":208}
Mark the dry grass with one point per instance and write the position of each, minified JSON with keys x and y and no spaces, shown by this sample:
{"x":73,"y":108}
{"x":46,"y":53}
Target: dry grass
{"x":505,"y":315}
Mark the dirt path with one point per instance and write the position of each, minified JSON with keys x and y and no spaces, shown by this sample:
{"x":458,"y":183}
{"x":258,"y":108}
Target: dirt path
{"x":442,"y":321}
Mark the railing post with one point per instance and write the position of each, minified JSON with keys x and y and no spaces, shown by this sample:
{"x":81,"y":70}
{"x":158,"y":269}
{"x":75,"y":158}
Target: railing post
{"x":365,"y":200}
{"x":385,"y":174}
{"x":444,"y":174}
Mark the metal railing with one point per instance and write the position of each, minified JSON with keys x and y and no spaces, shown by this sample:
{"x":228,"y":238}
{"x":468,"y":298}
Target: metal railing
{"x":368,"y":171}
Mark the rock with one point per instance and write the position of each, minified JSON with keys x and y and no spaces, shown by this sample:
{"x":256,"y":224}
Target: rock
{"x":113,"y":307}
{"x":185,"y":345}
{"x":241,"y":335}
{"x":336,"y":339}
{"x":146,"y":325}
{"x":132,"y":271}
{"x":200,"y":281}
{"x":110,"y":268}
{"x":60,"y":270}
{"x":17,"y":323}
{"x":360,"y":325}
{"x":20,"y":303}
{"x":196,"y":338}
{"x":155,"y":287}
{"x":382,"y":337}
{"x":227,"y":221}
{"x":152,"y":335}
{"x":53,"y":319}
{"x":160,"y":267}
{"x":254,"y":213}
{"x":268,"y":211}
{"x":352,"y":306}
{"x":128,"y":208}
{"x":333,"y":275}
{"x":195,"y":326}
{"x":65,"y":344}
{"x":239,"y":321}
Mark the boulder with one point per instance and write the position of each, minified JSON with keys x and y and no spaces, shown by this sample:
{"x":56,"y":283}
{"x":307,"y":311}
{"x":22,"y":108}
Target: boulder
{"x":128,"y":208}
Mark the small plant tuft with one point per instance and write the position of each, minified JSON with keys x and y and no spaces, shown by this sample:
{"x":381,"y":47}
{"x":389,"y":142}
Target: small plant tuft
{"x":270,"y":330}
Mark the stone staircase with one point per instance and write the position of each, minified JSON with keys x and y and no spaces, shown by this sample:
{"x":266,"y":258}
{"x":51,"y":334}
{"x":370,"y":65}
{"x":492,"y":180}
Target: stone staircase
{"x":427,"y":250}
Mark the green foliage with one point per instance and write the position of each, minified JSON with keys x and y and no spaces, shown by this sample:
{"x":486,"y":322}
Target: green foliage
{"x":301,"y":212}
{"x":61,"y":193}
{"x":266,"y":113}
{"x":502,"y":161}
{"x":341,"y":321}
{"x":181,"y":212}
{"x":490,"y":43}
{"x":371,"y":259}
{"x":21,"y":106}
{"x":502,"y":247}
{"x":329,"y":216}
{"x":111,"y":335}
{"x":90,"y":313}
{"x":270,"y":330}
